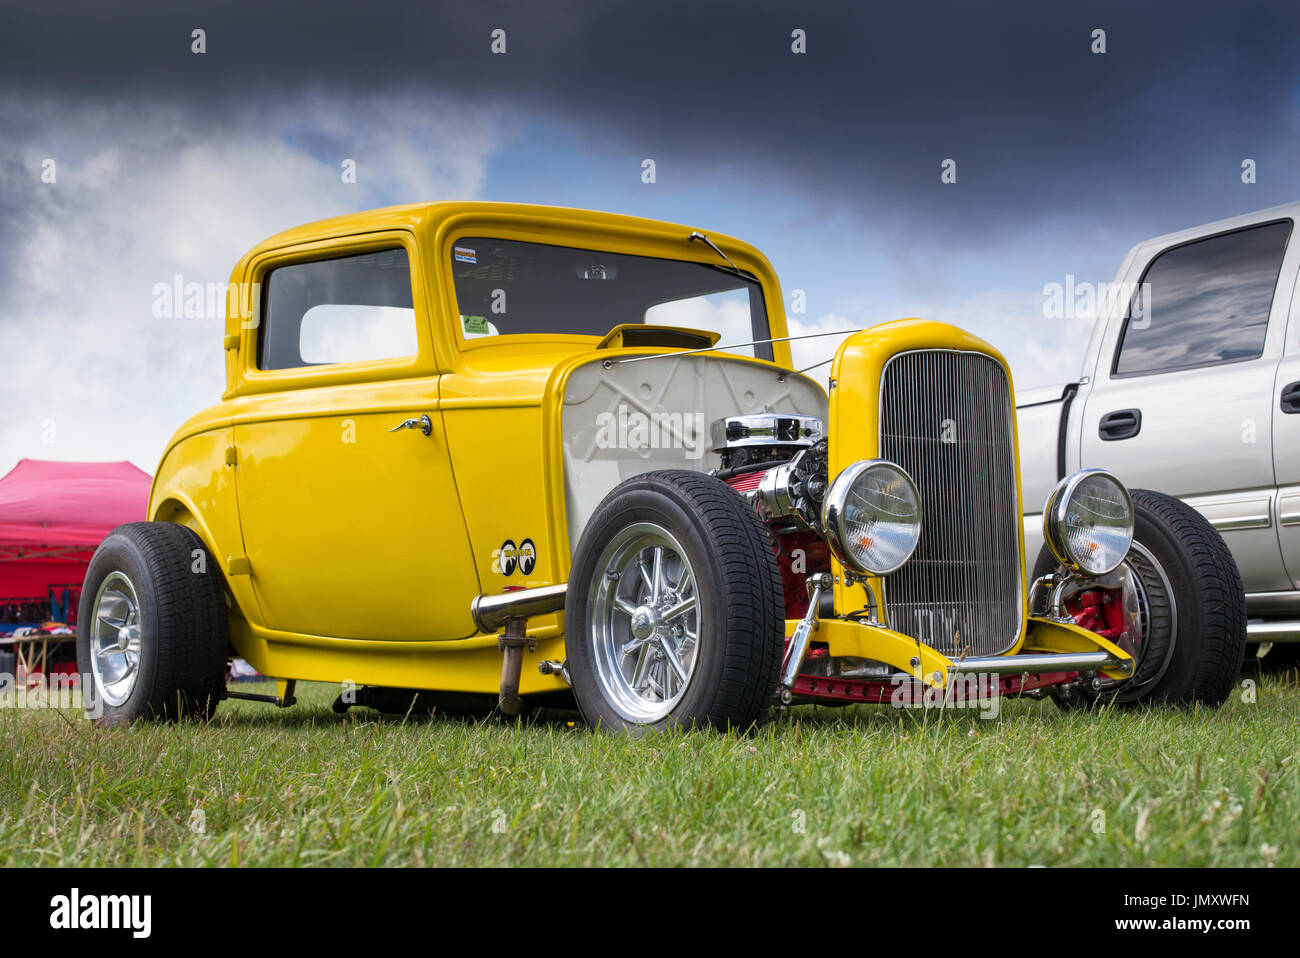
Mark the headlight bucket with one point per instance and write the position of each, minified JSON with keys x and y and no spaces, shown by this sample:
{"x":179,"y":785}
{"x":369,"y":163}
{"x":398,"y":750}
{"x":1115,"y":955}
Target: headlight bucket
{"x":1088,"y":522}
{"x":871,"y":515}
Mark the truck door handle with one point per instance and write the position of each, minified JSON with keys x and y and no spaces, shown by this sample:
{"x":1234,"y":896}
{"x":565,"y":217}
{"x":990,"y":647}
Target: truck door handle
{"x":1121,"y":424}
{"x":424,"y":424}
{"x":1291,"y":397}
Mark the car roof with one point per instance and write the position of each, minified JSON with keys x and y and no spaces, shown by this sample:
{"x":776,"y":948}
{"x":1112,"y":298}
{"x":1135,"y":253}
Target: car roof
{"x":425,"y":216}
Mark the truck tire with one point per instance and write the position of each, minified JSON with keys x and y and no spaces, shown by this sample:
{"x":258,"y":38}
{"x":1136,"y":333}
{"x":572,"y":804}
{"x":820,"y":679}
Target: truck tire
{"x":675,"y":614}
{"x":151,"y":626}
{"x":1195,"y":609}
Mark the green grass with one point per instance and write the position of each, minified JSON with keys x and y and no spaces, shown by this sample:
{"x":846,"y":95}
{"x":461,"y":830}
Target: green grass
{"x":868,"y":785}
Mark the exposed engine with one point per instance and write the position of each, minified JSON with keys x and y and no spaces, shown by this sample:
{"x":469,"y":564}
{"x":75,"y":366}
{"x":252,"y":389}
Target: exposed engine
{"x":746,"y":442}
{"x":779,"y":463}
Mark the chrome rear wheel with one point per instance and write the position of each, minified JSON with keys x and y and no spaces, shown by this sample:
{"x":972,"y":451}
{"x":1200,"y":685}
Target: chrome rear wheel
{"x":151,"y":626}
{"x":116,"y":638}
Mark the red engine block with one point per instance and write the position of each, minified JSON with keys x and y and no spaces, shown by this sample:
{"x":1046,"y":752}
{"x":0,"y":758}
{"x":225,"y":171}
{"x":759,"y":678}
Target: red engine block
{"x":800,"y":553}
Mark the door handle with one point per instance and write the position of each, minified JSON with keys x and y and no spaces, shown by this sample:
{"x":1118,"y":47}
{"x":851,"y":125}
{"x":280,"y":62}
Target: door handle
{"x":1291,"y":397}
{"x":1121,"y":424}
{"x":424,"y":424}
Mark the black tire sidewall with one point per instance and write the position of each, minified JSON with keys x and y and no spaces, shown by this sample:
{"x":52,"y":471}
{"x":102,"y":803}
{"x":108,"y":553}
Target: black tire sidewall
{"x":184,"y":641}
{"x":643,"y":505}
{"x":649,"y":499}
{"x":1192,"y":634}
{"x":120,"y":553}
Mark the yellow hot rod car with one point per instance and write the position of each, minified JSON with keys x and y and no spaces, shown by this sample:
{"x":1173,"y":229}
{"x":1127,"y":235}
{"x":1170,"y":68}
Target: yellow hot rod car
{"x":478,"y":456}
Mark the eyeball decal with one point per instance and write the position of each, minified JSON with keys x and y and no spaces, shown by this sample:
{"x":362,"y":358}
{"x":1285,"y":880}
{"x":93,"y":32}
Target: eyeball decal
{"x":510,"y":557}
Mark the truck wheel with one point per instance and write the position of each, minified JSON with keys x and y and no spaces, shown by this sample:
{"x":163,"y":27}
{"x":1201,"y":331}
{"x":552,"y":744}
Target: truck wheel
{"x":151,"y":627}
{"x":675,"y":615}
{"x":1194,"y":609}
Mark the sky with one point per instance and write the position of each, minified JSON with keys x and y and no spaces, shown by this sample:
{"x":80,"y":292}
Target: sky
{"x":167,"y":162}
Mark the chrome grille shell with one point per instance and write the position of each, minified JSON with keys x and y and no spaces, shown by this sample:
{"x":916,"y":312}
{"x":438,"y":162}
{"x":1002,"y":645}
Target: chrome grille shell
{"x":946,"y":416}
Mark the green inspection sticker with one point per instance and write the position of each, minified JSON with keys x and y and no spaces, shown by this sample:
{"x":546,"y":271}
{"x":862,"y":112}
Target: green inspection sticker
{"x":475,"y":324}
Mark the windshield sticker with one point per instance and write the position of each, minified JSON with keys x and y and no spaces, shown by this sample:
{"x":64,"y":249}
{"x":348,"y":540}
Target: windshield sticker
{"x":464,"y":254}
{"x":476,"y":324}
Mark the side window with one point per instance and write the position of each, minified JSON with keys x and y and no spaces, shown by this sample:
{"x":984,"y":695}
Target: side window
{"x":345,"y":310}
{"x":1204,"y":303}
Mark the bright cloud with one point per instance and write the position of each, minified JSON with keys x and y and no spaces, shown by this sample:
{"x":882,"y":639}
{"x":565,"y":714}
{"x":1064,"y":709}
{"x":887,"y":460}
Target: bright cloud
{"x":144,"y":195}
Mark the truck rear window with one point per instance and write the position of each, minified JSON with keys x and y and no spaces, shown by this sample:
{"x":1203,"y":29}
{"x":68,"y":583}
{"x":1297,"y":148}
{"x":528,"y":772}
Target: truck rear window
{"x":1209,"y":302}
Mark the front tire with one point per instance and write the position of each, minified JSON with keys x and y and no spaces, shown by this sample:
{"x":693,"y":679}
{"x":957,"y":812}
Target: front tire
{"x":1195,"y":609}
{"x":151,"y":626}
{"x":676,"y":615}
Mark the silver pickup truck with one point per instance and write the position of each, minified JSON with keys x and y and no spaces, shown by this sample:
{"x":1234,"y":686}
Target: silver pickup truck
{"x":1191,"y":386}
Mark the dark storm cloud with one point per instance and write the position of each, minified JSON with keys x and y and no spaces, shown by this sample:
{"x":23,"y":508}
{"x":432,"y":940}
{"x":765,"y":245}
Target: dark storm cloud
{"x":1011,"y":91}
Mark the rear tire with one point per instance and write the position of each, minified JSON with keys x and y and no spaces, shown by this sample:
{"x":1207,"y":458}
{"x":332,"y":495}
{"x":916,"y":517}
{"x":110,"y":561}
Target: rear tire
{"x":1196,"y":609}
{"x":638,"y":657}
{"x":151,"y":626}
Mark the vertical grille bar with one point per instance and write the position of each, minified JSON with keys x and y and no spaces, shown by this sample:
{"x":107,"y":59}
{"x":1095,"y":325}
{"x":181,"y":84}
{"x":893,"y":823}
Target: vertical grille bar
{"x":945,"y":417}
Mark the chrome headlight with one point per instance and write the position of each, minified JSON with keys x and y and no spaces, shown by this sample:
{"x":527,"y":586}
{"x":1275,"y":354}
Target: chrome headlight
{"x":1088,"y":522}
{"x":872,"y":516}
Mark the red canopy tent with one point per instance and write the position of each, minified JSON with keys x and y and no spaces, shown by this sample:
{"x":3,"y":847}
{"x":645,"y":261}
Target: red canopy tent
{"x":54,"y":514}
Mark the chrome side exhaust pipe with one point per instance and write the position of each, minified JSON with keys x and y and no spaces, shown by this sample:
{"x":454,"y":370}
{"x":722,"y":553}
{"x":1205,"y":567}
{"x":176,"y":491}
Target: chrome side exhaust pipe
{"x":511,"y":611}
{"x":492,"y":612}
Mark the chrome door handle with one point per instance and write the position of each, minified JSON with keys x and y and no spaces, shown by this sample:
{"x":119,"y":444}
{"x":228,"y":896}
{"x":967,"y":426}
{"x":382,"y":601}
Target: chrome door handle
{"x":424,"y":424}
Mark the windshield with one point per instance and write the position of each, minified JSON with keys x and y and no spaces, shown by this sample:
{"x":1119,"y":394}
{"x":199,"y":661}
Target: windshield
{"x":506,"y":287}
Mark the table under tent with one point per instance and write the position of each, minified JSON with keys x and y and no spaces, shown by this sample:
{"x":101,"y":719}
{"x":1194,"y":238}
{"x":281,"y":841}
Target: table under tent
{"x":52,"y":516}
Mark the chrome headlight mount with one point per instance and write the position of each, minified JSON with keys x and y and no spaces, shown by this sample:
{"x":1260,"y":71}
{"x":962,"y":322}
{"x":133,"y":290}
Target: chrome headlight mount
{"x":871,"y":516}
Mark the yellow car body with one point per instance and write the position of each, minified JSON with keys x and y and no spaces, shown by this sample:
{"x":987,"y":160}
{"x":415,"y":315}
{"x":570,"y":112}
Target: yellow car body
{"x":352,"y":553}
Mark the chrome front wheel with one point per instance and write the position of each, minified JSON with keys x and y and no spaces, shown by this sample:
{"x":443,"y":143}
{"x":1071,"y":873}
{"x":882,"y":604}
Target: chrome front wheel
{"x":646,"y":619}
{"x":675,"y":614}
